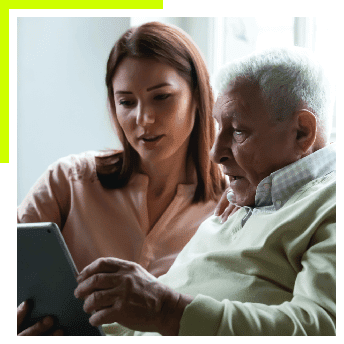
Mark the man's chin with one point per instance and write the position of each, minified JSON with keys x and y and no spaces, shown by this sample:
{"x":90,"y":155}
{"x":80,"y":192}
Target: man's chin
{"x":244,"y":193}
{"x":247,"y":200}
{"x":245,"y":204}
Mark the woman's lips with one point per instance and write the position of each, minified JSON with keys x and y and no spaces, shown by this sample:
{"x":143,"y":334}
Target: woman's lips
{"x":150,"y":141}
{"x":151,"y":138}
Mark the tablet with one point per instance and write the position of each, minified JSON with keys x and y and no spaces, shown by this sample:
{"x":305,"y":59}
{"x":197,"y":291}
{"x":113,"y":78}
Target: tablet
{"x":47,"y":278}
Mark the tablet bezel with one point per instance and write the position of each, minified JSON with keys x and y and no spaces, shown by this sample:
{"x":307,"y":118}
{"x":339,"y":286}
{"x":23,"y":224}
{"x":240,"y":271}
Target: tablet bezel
{"x":45,"y":267}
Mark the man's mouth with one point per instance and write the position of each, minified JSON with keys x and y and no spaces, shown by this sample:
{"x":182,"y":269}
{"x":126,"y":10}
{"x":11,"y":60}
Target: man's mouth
{"x":233,"y":178}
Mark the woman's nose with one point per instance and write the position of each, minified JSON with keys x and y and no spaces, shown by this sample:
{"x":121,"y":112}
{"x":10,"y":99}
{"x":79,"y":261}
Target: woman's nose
{"x":144,"y":116}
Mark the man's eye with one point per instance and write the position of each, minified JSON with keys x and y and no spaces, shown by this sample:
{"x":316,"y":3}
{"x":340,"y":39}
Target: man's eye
{"x":239,"y":135}
{"x":162,"y":96}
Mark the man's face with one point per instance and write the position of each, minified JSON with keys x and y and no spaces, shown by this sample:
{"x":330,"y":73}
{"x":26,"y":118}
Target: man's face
{"x":249,"y":144}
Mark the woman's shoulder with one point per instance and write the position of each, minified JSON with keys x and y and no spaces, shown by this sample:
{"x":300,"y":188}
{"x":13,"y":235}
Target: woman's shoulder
{"x":107,"y":158}
{"x":83,"y":166}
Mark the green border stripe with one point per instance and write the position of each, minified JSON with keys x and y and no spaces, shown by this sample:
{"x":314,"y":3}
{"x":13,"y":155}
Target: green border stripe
{"x":4,"y":75}
{"x":101,"y":4}
{"x":252,"y":4}
{"x":78,"y":4}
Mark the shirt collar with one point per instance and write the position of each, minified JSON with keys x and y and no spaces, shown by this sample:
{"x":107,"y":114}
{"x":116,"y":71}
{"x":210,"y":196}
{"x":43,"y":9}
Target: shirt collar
{"x":139,"y":181}
{"x":279,"y":186}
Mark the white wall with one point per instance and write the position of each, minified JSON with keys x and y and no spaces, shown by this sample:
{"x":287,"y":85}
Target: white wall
{"x":62,"y":106}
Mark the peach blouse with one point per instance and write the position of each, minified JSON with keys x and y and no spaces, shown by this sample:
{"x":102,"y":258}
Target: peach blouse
{"x":98,"y":222}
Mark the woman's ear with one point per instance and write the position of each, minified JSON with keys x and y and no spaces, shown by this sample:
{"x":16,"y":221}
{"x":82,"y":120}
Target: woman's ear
{"x":306,"y":130}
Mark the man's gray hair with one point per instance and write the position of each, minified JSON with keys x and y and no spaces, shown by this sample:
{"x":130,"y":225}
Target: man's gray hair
{"x":288,"y":78}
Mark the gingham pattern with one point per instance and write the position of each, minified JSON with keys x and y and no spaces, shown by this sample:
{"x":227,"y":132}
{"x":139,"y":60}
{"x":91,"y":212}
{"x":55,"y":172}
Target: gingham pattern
{"x":275,"y":190}
{"x":286,"y":181}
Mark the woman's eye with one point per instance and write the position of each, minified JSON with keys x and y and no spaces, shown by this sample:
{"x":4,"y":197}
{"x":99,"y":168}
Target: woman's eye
{"x":126,"y":102}
{"x":162,"y":96}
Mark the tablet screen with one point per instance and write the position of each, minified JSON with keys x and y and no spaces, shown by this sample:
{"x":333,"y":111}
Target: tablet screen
{"x":47,"y":278}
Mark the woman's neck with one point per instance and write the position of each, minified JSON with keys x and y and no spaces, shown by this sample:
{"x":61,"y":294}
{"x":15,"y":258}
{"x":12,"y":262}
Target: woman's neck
{"x":165,"y":175}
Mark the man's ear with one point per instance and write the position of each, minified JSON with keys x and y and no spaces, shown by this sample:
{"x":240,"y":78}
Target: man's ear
{"x":306,"y":130}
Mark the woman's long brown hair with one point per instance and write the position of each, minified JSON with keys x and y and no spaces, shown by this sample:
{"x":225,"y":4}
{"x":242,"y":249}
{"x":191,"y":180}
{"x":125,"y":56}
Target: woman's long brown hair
{"x":167,"y":44}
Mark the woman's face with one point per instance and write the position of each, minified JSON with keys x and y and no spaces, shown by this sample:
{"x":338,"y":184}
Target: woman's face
{"x":154,"y":107}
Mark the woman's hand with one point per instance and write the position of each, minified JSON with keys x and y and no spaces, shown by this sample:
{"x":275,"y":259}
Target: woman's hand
{"x":43,"y":327}
{"x":116,"y":290}
{"x":224,"y":208}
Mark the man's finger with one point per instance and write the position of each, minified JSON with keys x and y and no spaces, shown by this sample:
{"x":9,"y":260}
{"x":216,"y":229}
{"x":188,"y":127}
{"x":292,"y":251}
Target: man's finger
{"x":95,"y":282}
{"x":101,"y":265}
{"x":103,"y":316}
{"x":100,"y":299}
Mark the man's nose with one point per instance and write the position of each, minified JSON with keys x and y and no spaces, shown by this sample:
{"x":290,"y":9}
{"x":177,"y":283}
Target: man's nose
{"x":144,"y":116}
{"x":221,"y":150}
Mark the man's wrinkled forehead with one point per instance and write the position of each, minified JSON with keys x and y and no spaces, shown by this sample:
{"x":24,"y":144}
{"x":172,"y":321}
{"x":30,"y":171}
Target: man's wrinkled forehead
{"x":244,"y":95}
{"x":225,"y":103}
{"x":222,"y":102}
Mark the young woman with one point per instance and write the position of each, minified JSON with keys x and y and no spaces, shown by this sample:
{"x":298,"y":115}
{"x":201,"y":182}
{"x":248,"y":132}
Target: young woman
{"x":145,"y":202}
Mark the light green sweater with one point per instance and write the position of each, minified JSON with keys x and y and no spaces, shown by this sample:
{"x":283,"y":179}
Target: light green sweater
{"x":268,"y":270}
{"x":273,"y":276}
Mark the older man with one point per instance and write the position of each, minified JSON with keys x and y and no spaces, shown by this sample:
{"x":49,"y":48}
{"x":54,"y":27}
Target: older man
{"x":270,"y":269}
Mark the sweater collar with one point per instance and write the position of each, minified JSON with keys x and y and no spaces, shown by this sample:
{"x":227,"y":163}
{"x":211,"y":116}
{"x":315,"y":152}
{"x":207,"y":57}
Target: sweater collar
{"x":279,"y":186}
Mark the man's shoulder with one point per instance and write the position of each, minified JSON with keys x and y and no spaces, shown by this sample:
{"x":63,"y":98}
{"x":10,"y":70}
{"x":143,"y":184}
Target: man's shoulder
{"x":323,"y":185}
{"x":319,"y":193}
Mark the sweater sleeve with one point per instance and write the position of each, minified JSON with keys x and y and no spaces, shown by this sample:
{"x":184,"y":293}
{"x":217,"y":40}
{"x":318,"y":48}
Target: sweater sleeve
{"x":310,"y":312}
{"x":50,"y":198}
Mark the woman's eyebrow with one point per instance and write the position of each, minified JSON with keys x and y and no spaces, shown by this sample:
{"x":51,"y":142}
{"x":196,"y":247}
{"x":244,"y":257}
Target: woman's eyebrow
{"x":123,"y":92}
{"x":148,"y":89}
{"x":158,"y":86}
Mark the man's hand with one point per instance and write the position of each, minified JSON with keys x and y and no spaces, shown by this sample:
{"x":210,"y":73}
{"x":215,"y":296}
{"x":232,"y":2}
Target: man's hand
{"x":120,"y":291}
{"x":43,"y":327}
{"x":224,"y":208}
